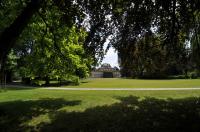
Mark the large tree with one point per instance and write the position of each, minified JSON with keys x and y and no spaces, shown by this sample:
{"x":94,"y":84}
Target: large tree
{"x":171,"y":20}
{"x":123,"y":21}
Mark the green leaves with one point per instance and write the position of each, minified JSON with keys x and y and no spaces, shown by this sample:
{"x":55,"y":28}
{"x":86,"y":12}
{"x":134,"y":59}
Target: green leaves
{"x":66,"y":37}
{"x":53,"y":50}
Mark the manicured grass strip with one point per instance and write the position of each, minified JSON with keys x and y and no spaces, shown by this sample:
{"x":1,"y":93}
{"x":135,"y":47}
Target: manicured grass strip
{"x":137,"y":83}
{"x":90,"y":98}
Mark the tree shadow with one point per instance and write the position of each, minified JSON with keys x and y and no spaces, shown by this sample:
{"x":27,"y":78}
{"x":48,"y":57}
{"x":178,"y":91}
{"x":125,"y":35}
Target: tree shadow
{"x":17,"y":88}
{"x":13,"y":114}
{"x":85,"y":81}
{"x":131,"y":115}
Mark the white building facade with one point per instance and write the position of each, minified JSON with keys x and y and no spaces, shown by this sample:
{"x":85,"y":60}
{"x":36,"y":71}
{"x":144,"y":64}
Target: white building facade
{"x":106,"y":71}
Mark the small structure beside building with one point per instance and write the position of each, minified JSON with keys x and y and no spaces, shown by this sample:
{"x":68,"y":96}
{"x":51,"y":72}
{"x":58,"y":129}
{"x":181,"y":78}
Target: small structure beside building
{"x":106,"y":71}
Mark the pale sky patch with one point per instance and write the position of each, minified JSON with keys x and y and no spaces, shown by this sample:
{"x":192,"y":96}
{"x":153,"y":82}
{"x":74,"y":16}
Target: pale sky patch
{"x":111,"y":57}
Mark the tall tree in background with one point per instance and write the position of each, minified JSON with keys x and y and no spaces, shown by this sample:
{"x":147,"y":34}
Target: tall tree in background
{"x":195,"y":40}
{"x":129,"y":27}
{"x":170,"y":20}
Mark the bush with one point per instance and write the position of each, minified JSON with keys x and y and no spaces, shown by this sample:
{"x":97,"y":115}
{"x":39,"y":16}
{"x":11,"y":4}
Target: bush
{"x":193,"y":75}
{"x":26,"y":80}
{"x":37,"y":82}
{"x":75,"y":81}
{"x":153,"y":76}
{"x":179,"y":77}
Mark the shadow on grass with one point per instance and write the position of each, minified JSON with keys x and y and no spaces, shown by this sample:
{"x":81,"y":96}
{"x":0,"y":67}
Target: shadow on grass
{"x":17,"y":88}
{"x":85,"y":81}
{"x":132,"y":115}
{"x":14,"y":114}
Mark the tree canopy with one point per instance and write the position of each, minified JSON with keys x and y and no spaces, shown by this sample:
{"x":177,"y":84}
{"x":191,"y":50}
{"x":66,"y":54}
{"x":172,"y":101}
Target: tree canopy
{"x":153,"y":36}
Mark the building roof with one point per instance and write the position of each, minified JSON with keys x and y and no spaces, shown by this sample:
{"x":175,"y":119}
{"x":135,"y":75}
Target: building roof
{"x":107,"y":67}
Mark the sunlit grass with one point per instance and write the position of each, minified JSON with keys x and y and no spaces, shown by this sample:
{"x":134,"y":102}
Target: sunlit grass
{"x":24,"y":110}
{"x":89,"y":98}
{"x":137,"y":83}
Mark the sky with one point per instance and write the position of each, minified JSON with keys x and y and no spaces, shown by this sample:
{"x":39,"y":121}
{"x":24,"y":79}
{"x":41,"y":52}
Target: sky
{"x":111,"y":58}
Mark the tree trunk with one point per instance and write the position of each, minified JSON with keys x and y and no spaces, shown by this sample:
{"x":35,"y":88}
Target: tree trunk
{"x":47,"y":82}
{"x":8,"y":76}
{"x":173,"y":32}
{"x":9,"y":36}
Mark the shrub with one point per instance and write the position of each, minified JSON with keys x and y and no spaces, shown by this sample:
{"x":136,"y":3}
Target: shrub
{"x":193,"y":75}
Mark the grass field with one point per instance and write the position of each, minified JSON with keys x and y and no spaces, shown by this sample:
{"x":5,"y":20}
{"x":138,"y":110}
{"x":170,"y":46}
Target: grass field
{"x":34,"y":109}
{"x":137,"y":83}
{"x":59,"y":110}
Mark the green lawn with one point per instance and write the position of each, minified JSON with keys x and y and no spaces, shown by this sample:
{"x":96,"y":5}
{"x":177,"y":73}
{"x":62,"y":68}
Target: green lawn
{"x":137,"y":83}
{"x":59,"y":110}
